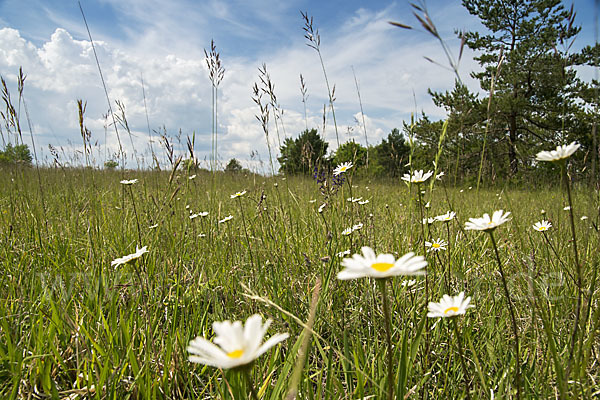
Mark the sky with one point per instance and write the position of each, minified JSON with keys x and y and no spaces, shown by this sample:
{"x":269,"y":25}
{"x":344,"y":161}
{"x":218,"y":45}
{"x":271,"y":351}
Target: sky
{"x":162,"y":43}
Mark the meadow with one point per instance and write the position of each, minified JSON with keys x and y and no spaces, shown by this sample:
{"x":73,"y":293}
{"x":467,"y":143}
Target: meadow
{"x":73,"y":326}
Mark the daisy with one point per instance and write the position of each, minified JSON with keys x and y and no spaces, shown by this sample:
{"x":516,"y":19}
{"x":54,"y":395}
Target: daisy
{"x":409,"y":282}
{"x":343,"y":167}
{"x":583,"y":217}
{"x":357,"y":227}
{"x":127,"y":183}
{"x":234,"y":345}
{"x":561,"y":153}
{"x":129,"y":258}
{"x":438,"y":177}
{"x":322,"y":207}
{"x":343,"y":253}
{"x":449,"y":306}
{"x":567,"y":208}
{"x":203,"y":214}
{"x":542,"y":226}
{"x":381,"y":266}
{"x":428,"y":221}
{"x":347,"y":231}
{"x":417,"y":176}
{"x":229,"y":217}
{"x":192,"y":177}
{"x":238,"y":194}
{"x":153,"y":226}
{"x":362,"y":203}
{"x":436,"y":245}
{"x":449,"y":216}
{"x":354,"y":199}
{"x":486,"y":223}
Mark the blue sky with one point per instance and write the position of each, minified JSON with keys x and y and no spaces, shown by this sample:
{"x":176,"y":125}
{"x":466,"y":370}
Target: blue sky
{"x":164,"y":41}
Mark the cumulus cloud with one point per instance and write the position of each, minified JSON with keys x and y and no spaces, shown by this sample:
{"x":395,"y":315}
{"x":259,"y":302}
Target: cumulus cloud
{"x":390,"y":70}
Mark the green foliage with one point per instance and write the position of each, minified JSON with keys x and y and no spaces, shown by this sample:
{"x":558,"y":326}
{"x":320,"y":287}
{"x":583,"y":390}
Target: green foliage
{"x":111,"y":164}
{"x":234,"y":166}
{"x":302,"y":154}
{"x":18,"y":154}
{"x":526,"y":52}
{"x":390,"y":156}
{"x":351,"y":151}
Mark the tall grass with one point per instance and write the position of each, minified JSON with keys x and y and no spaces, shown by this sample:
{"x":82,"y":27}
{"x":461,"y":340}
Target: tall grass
{"x":71,"y":325}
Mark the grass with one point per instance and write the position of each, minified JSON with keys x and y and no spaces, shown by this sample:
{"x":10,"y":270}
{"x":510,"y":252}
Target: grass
{"x":71,"y":325}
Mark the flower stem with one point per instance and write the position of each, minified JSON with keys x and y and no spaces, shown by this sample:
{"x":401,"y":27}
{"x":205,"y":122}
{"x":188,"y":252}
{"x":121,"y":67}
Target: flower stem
{"x":250,"y":383}
{"x":462,"y":359}
{"x":577,"y":270}
{"x":388,"y":337}
{"x":512,"y":317}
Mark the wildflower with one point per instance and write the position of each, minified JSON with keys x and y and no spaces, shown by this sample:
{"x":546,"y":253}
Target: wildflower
{"x":449,"y":306}
{"x":567,"y":208}
{"x":583,"y":217}
{"x":202,"y":235}
{"x":343,"y":253}
{"x":127,"y":183}
{"x":357,"y":227}
{"x":192,"y":177}
{"x":129,"y":258}
{"x":428,"y":221}
{"x":153,"y":226}
{"x":354,"y":199}
{"x":312,"y":201}
{"x":436,"y":245}
{"x":543,"y":212}
{"x":203,"y":214}
{"x":438,"y":177}
{"x":428,"y":205}
{"x":409,"y":282}
{"x":561,"y":153}
{"x":343,"y":167}
{"x":238,"y":194}
{"x":228,"y":218}
{"x":542,"y":226}
{"x":417,"y":176}
{"x":486,"y":223}
{"x":234,"y":345}
{"x":449,"y":216}
{"x":192,"y":216}
{"x":381,"y":266}
{"x":347,"y":231}
{"x":362,"y":203}
{"x":322,"y":207}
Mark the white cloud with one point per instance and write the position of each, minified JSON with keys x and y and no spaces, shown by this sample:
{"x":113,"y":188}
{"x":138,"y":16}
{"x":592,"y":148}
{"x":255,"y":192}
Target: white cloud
{"x":390,"y":69}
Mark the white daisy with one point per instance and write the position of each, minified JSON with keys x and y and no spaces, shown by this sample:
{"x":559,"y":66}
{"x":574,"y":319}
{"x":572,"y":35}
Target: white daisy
{"x":192,"y":177}
{"x":428,"y":221}
{"x":203,"y":214}
{"x":417,"y":176}
{"x":449,"y":216}
{"x":561,"y":153}
{"x":357,"y":227}
{"x":362,"y":203}
{"x":343,"y":253}
{"x":449,"y":306}
{"x":130,"y":182}
{"x":436,"y":245}
{"x":130,"y":257}
{"x":381,"y":266}
{"x":542,"y":226}
{"x":322,"y":207}
{"x":486,"y":223}
{"x":228,"y":218}
{"x":234,"y":345}
{"x":238,"y":194}
{"x":153,"y":226}
{"x":343,"y":167}
{"x":347,"y":231}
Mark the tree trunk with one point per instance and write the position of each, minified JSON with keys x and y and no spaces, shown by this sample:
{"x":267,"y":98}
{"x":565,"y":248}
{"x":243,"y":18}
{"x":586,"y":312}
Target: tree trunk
{"x":512,"y":142}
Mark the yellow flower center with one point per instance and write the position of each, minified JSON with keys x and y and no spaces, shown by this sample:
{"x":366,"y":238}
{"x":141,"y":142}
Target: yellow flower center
{"x":543,"y":228}
{"x":382,"y":266}
{"x":235,"y":354}
{"x":447,"y":310}
{"x":436,"y":245}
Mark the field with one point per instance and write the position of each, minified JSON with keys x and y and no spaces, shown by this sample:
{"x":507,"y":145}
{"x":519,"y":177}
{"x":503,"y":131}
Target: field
{"x":72,"y":326}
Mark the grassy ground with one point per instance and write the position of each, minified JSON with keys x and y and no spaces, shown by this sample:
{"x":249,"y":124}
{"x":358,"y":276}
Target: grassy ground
{"x":72,"y":325}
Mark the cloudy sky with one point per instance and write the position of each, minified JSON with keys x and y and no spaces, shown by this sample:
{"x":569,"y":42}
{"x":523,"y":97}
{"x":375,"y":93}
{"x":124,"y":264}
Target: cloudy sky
{"x":163,"y":42}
